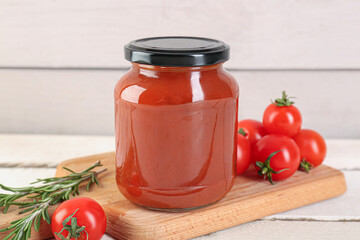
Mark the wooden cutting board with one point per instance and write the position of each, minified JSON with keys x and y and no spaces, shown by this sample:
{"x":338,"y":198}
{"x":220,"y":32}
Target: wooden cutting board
{"x":251,"y":198}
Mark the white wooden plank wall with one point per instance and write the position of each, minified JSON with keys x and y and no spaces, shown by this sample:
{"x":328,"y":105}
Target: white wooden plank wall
{"x":59,"y":60}
{"x":262,"y":34}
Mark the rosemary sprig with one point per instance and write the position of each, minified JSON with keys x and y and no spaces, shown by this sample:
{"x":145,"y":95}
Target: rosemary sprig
{"x":47,"y":192}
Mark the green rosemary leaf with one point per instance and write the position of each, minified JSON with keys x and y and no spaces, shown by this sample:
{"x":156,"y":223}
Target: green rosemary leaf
{"x":93,"y":177}
{"x":8,"y":236}
{"x":97,"y":182}
{"x":6,"y":209}
{"x":47,"y":217}
{"x":88,"y":186}
{"x":26,"y":210}
{"x":37,"y":222}
{"x":68,"y":169}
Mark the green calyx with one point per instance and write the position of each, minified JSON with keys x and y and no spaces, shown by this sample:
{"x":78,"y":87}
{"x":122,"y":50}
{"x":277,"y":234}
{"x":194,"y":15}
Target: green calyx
{"x":284,"y":101}
{"x":266,"y":170}
{"x":305,"y":166}
{"x":74,"y":230}
{"x":242,"y":132}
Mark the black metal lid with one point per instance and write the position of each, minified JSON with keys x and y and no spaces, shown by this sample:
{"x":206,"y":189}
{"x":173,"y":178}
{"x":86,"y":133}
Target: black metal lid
{"x":177,"y":51}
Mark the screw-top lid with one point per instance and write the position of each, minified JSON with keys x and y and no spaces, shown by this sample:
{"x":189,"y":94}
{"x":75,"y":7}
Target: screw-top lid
{"x":177,"y":51}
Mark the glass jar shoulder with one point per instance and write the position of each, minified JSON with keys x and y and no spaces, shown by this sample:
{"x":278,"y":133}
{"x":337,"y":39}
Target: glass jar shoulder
{"x":175,"y":87}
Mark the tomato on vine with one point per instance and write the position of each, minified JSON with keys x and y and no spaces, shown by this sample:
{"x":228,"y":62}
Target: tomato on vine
{"x":282,"y":117}
{"x":79,"y":218}
{"x":243,"y":159}
{"x":276,"y":157}
{"x":312,"y":148}
{"x":254,"y":130}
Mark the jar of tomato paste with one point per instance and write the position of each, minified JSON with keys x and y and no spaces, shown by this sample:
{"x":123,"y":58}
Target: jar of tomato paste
{"x":175,"y":123}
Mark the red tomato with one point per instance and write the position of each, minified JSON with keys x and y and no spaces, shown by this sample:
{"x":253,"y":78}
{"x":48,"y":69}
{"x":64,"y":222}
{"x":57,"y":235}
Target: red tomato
{"x":281,"y":117}
{"x":288,"y":157}
{"x":253,"y":129}
{"x":312,"y":146}
{"x":243,"y":154}
{"x":88,"y":213}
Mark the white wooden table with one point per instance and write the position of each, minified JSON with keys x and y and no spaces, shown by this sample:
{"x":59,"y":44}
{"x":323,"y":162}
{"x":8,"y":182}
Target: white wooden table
{"x":23,"y":158}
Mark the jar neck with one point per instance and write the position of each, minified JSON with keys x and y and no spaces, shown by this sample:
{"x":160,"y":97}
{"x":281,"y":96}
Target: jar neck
{"x":145,"y":67}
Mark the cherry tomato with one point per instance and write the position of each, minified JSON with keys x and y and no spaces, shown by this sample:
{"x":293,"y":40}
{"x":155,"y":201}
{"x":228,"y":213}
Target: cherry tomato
{"x":281,"y":117}
{"x":254,"y":130}
{"x":312,"y":146}
{"x":88,"y":213}
{"x":288,"y":156}
{"x":243,"y":154}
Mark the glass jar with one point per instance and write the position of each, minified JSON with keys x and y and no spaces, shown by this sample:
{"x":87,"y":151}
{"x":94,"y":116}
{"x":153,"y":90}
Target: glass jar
{"x":175,"y":123}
